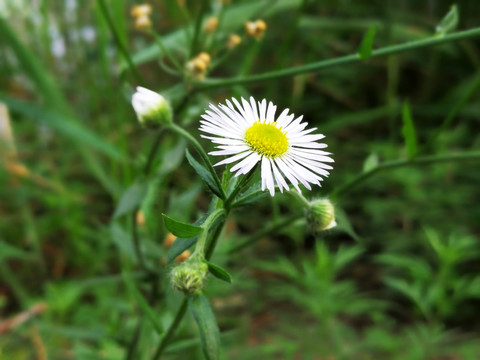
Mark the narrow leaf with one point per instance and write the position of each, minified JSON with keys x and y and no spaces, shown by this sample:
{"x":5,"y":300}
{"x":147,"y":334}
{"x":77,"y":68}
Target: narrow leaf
{"x":131,"y":198}
{"x":365,"y":49}
{"x":68,"y":126}
{"x":204,"y":174}
{"x":180,"y":229}
{"x":143,"y":304}
{"x":219,"y":273}
{"x":408,"y":131}
{"x":207,"y":324}
{"x":371,"y":162}
{"x":178,"y":247}
{"x":448,"y":23}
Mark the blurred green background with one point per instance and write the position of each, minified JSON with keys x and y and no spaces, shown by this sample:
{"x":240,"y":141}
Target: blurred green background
{"x":397,"y":279}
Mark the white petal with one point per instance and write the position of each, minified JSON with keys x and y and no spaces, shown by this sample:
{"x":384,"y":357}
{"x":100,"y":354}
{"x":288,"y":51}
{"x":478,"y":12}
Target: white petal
{"x":267,"y":175}
{"x":232,"y":159}
{"x":278,"y":177}
{"x":245,"y":163}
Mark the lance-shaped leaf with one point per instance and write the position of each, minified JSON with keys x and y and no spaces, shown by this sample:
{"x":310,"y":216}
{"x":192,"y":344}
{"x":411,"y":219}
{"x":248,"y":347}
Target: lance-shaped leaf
{"x":449,"y":22}
{"x":131,"y":198}
{"x":207,"y":324}
{"x":365,"y":49}
{"x":408,"y":131}
{"x":178,"y":247}
{"x":219,"y":272}
{"x":181,"y":229}
{"x":204,"y":174}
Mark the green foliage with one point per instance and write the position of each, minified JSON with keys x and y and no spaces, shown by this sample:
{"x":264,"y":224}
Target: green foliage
{"x":84,"y":267}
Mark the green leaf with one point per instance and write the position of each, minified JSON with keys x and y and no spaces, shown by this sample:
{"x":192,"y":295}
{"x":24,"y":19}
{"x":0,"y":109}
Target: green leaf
{"x":365,"y":49}
{"x":66,"y":125}
{"x":142,"y":303}
{"x":204,"y":174}
{"x":181,"y":229}
{"x":449,"y":22}
{"x":252,"y":194}
{"x":219,"y":273}
{"x":8,"y":251}
{"x":34,"y":69}
{"x":371,"y":162}
{"x":178,"y":247}
{"x":207,"y":324}
{"x":408,"y":131}
{"x":131,"y":198}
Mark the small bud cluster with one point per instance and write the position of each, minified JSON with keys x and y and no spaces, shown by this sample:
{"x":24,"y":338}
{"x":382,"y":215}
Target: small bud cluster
{"x":197,"y":67}
{"x":211,"y":24}
{"x":233,"y":41}
{"x":189,"y":277}
{"x":141,"y":15}
{"x":256,"y":28}
{"x":321,"y":215}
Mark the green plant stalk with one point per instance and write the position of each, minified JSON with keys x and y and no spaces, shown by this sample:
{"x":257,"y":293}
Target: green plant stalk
{"x":271,"y":229}
{"x":421,"y":160}
{"x":171,"y":330}
{"x":194,"y":142}
{"x":454,"y":112}
{"x":207,"y":225}
{"x":164,"y":49}
{"x":197,"y":29}
{"x":353,"y":58}
{"x":301,"y":199}
{"x":121,"y":46}
{"x":183,"y":307}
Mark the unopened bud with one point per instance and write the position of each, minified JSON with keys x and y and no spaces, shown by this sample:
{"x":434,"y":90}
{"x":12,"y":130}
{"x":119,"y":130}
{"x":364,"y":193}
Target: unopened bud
{"x":255,"y":28}
{"x":169,"y":239}
{"x":189,"y":277}
{"x":197,"y":67}
{"x":183,"y":256}
{"x":321,"y":215}
{"x":233,"y":41}
{"x":141,"y":10}
{"x":140,"y":218}
{"x":142,"y":23}
{"x":152,"y":109}
{"x":211,"y":24}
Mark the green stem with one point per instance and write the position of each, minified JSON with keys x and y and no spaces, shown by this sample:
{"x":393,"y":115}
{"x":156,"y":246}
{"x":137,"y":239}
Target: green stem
{"x":238,"y":188}
{"x":121,"y":46}
{"x":182,"y":309}
{"x":207,"y":225}
{"x":456,"y":109}
{"x":171,"y":330}
{"x":301,"y":199}
{"x":421,"y":160}
{"x":313,"y":67}
{"x":180,"y":131}
{"x":271,"y":229}
{"x":198,"y":25}
{"x":164,"y":49}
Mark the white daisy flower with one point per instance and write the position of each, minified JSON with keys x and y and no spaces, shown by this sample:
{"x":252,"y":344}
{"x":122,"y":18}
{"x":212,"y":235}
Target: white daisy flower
{"x":248,"y":133}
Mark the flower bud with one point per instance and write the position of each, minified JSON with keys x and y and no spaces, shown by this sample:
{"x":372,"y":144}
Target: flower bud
{"x":152,"y":109}
{"x":321,"y":215}
{"x":189,"y":277}
{"x":256,"y":28}
{"x":211,"y":24}
{"x":233,"y":41}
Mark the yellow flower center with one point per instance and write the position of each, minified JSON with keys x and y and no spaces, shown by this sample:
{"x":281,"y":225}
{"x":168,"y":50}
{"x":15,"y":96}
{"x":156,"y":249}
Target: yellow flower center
{"x":266,"y":139}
